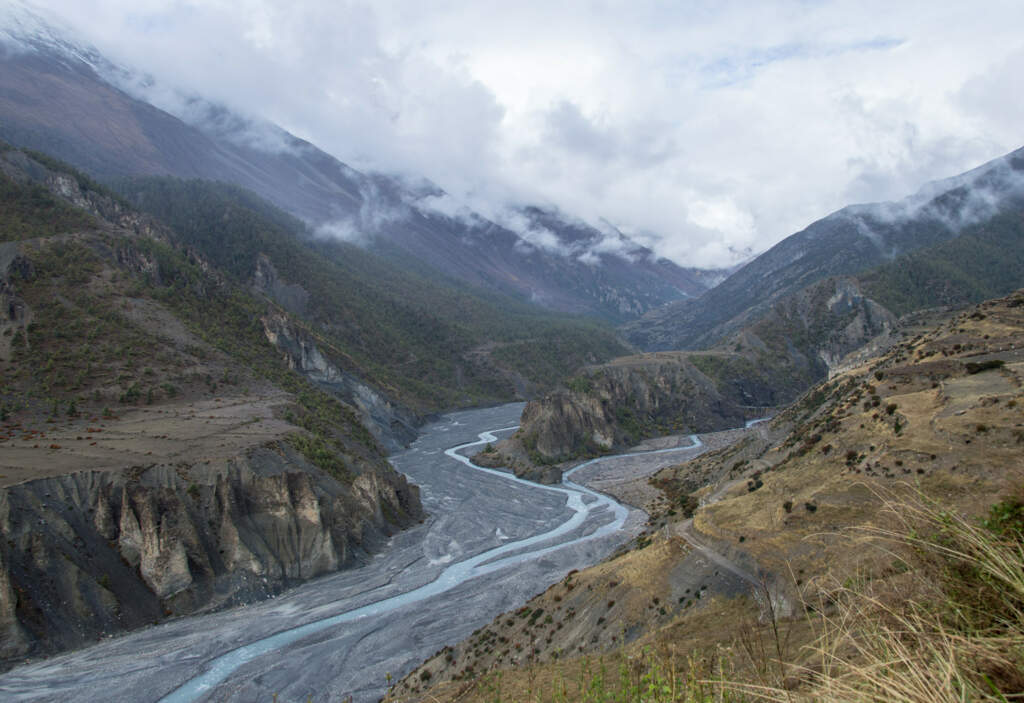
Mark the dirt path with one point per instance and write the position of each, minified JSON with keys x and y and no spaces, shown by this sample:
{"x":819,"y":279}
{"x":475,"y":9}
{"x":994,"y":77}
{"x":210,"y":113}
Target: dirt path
{"x":771,"y":599}
{"x":626,"y":478}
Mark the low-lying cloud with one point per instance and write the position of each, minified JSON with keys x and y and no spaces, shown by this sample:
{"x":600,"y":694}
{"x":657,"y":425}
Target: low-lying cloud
{"x":701,"y":130}
{"x":376,"y":211}
{"x":953,"y":203}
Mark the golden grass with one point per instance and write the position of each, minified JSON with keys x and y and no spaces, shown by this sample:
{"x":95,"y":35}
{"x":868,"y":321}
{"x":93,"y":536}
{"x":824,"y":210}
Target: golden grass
{"x":948,"y":626}
{"x":960,"y":639}
{"x":934,"y":614}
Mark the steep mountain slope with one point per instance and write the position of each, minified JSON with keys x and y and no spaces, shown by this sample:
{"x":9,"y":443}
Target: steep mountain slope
{"x":849,"y":241}
{"x":798,"y":341}
{"x":801,"y":509}
{"x":157,"y":454}
{"x":427,"y":343}
{"x":61,"y":98}
{"x":985,"y":261}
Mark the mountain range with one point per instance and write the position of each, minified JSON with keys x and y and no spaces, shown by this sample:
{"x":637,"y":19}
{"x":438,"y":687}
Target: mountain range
{"x":788,"y":319}
{"x":849,"y":241}
{"x":64,"y":98}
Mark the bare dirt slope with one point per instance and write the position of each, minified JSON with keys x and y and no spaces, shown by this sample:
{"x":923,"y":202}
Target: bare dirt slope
{"x":175,"y":432}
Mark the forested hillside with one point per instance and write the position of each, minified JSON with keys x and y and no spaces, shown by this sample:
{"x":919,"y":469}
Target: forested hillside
{"x":46,"y":76}
{"x":435,"y":343}
{"x":984,"y":261}
{"x":851,"y":241}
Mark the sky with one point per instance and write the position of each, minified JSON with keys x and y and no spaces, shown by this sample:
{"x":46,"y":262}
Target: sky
{"x":708,"y":130}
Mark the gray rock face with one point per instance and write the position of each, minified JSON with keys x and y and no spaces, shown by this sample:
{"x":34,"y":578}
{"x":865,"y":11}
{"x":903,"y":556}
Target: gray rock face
{"x":391,"y":424}
{"x":99,"y":552}
{"x":291,"y":296}
{"x":15,"y":315}
{"x":864,"y":318}
{"x":816,"y":327}
{"x":626,"y":401}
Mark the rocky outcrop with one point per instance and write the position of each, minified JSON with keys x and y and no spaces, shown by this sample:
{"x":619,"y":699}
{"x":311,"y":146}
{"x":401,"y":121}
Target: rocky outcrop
{"x":510,"y":454}
{"x":290,"y":296}
{"x":767,"y":364}
{"x":97,"y":552}
{"x":618,"y":404}
{"x":391,"y":424}
{"x":816,"y":327}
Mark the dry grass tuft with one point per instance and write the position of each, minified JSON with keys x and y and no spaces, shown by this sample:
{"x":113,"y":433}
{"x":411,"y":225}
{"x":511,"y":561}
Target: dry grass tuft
{"x":960,"y":639}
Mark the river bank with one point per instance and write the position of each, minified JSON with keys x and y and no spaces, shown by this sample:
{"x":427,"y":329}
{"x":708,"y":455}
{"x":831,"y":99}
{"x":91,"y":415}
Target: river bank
{"x":471,"y":512}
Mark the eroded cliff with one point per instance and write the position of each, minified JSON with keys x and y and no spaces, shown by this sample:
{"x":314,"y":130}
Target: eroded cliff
{"x":93,"y":553}
{"x":392,"y":425}
{"x":621,"y":403}
{"x":157,"y":455}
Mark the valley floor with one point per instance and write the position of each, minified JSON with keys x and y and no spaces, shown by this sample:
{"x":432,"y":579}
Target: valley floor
{"x":471,"y":512}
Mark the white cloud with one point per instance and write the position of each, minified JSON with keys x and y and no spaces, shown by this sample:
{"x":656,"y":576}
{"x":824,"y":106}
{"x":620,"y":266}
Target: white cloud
{"x":531,"y":234}
{"x":705,"y":128}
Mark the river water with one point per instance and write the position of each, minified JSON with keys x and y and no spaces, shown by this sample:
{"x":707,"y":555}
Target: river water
{"x":491,"y":543}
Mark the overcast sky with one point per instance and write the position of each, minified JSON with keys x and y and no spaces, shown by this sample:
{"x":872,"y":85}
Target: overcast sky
{"x":705,"y":129}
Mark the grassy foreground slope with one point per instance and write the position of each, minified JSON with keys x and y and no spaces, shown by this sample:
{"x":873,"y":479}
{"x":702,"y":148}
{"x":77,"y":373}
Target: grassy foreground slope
{"x":876,"y":529}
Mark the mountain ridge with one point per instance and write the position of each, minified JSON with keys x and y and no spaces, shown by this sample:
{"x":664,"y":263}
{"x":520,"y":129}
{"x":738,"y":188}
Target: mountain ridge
{"x":115,"y":135}
{"x":846,"y":242}
{"x":158,"y":457}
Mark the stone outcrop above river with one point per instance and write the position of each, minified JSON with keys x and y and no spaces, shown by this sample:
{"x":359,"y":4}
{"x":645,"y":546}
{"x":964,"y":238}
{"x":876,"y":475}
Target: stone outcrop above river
{"x":98,"y":552}
{"x":618,"y":404}
{"x":614,"y":405}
